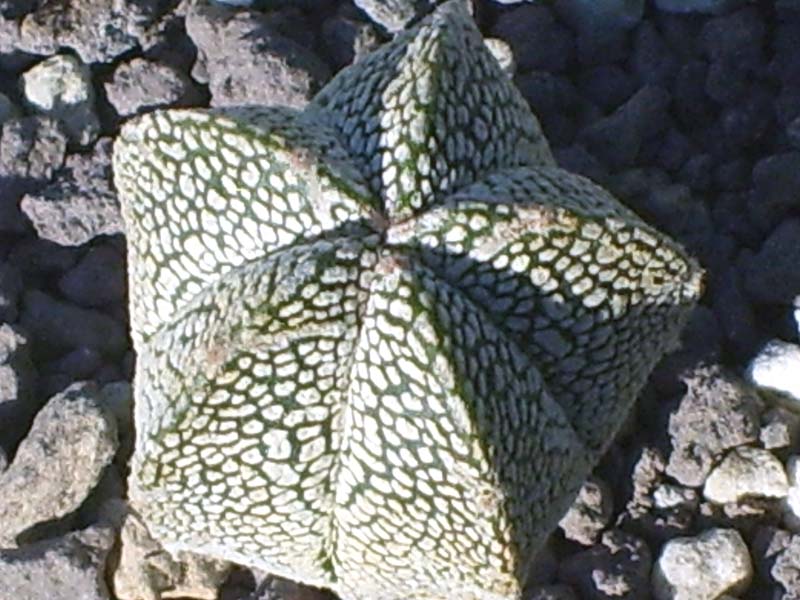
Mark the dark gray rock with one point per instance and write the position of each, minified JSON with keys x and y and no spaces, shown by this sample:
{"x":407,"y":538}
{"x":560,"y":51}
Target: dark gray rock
{"x":736,"y":315}
{"x":8,"y":110}
{"x":347,"y":39}
{"x":80,"y":205}
{"x":40,"y":260}
{"x":674,"y":149}
{"x":73,"y":438}
{"x":552,"y":592}
{"x":608,"y":86}
{"x":652,"y":61}
{"x":747,"y":122}
{"x":58,"y":327}
{"x":718,"y":411}
{"x":97,"y":280}
{"x":733,"y":175}
{"x":590,"y":512}
{"x":97,"y":30}
{"x":733,"y":43}
{"x":538,"y":40}
{"x":10,"y":289}
{"x":775,"y":180}
{"x":78,"y":364}
{"x":601,"y":17}
{"x":247,"y":61}
{"x":617,"y":139}
{"x":700,"y":6}
{"x":65,"y":568}
{"x":32,"y":149}
{"x":690,"y":103}
{"x":698,"y":172}
{"x":771,"y":275}
{"x":577,"y":159}
{"x":140,"y":85}
{"x":617,"y":567}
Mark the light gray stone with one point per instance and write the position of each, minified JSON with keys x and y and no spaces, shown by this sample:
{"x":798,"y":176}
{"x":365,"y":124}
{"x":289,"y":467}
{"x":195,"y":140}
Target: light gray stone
{"x":71,"y":441}
{"x":61,"y":87}
{"x":777,"y":368}
{"x":703,"y":567}
{"x":590,"y":512}
{"x":746,"y":472}
{"x":67,"y":568}
{"x":791,"y":504}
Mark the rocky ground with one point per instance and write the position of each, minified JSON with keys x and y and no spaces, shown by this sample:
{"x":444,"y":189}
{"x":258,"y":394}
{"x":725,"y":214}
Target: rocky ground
{"x":692,"y":118}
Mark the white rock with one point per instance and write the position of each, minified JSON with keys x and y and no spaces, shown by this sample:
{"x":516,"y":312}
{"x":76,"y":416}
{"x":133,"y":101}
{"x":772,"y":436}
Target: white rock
{"x":61,"y":87}
{"x":791,"y":504}
{"x":702,"y":567}
{"x":746,"y":471}
{"x":777,"y":367}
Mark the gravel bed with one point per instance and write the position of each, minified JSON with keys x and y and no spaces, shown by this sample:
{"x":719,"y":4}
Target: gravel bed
{"x":688,"y":111}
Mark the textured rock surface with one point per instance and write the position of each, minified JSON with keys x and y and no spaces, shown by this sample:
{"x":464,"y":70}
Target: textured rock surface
{"x":777,"y":368}
{"x":79,"y":205}
{"x":67,"y":568}
{"x":746,"y":472}
{"x":248,"y":61}
{"x":718,"y":411}
{"x":702,"y":567}
{"x":141,"y":85}
{"x":70,"y":443}
{"x":61,"y":87}
{"x":589,"y":513}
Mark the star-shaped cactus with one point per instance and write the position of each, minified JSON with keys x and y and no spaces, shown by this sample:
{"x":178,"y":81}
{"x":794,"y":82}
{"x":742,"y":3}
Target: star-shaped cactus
{"x":381,"y":341}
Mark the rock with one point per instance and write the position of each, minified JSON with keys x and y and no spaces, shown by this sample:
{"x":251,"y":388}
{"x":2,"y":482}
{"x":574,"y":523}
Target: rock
{"x":538,"y":40}
{"x":17,"y":384}
{"x":668,"y":496}
{"x":140,"y":85}
{"x":691,"y":104}
{"x":608,"y":86}
{"x":10,"y":288}
{"x":97,"y":280}
{"x":97,"y":30}
{"x":600,"y":16}
{"x":552,"y":592}
{"x":786,"y":568}
{"x":31,"y":150}
{"x":776,"y":368}
{"x":393,"y":15}
{"x":61,"y":87}
{"x":618,"y":567}
{"x":701,"y":6}
{"x":8,"y":110}
{"x":702,"y":567}
{"x":145,"y":570}
{"x":771,"y":276}
{"x":774,"y":178}
{"x":717,"y":412}
{"x":64,"y":568}
{"x":277,"y":588}
{"x":617,"y":138}
{"x":746,"y":472}
{"x":780,"y":428}
{"x":117,"y":398}
{"x":73,"y":438}
{"x":78,"y":364}
{"x":590,"y":512}
{"x":248,"y":61}
{"x":652,"y":61}
{"x":58,"y":327}
{"x":347,"y":39}
{"x":80,"y":205}
{"x":791,"y":504}
{"x":736,"y":315}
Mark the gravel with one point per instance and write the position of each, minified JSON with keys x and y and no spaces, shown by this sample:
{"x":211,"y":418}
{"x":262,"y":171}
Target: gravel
{"x":688,"y":110}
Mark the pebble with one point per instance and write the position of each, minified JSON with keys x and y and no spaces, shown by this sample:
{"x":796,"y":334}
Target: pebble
{"x":776,"y":368}
{"x":10,"y":289}
{"x":780,"y":428}
{"x":774,"y":178}
{"x":65,"y":568}
{"x":539,"y":41}
{"x":608,"y":86}
{"x":771,"y":276}
{"x":97,"y":30}
{"x":617,"y":138}
{"x":58,"y":463}
{"x":140,"y":85}
{"x":702,"y":567}
{"x":8,"y":109}
{"x":61,"y":87}
{"x":590,"y":512}
{"x":58,"y":327}
{"x":617,"y":567}
{"x":718,"y":411}
{"x":145,"y":570}
{"x":80,"y":204}
{"x":699,"y":6}
{"x":97,"y":280}
{"x":746,"y":472}
{"x":652,"y":61}
{"x":600,"y":17}
{"x":248,"y":61}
